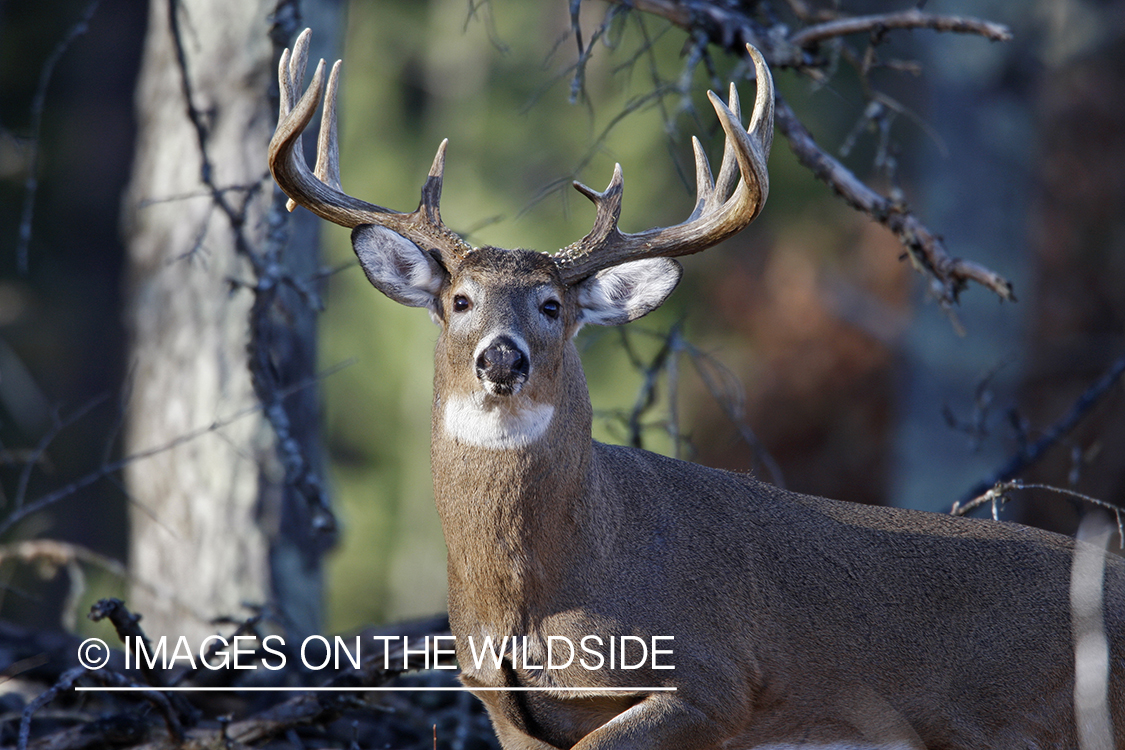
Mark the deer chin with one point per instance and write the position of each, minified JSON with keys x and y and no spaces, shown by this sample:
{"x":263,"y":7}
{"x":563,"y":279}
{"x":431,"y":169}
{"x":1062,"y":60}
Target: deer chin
{"x":502,"y":388}
{"x":504,"y":423}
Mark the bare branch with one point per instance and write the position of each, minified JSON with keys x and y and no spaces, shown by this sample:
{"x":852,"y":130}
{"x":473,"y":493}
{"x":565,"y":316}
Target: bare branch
{"x":997,"y":495}
{"x":926,"y":251}
{"x":106,"y":470}
{"x":38,"y":104}
{"x":909,"y":19}
{"x":724,"y":387}
{"x":1030,"y":454}
{"x":731,"y":29}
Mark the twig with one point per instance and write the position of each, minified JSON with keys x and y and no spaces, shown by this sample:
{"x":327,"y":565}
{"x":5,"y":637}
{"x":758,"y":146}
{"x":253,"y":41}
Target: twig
{"x":909,"y":19}
{"x":646,"y":395}
{"x":59,"y":424}
{"x":730,"y":398}
{"x":65,"y":682}
{"x":126,"y":625}
{"x":1030,"y":454}
{"x":997,"y":495}
{"x":38,"y":104}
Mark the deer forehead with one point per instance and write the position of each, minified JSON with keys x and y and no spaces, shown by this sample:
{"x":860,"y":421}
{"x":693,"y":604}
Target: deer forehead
{"x":509,"y":273}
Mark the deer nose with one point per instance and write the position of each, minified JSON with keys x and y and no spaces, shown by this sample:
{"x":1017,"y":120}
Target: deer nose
{"x":502,"y":363}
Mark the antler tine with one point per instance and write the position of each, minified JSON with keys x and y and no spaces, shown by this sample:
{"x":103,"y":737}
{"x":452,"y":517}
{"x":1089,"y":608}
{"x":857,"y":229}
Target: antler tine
{"x":721,"y":210}
{"x":328,"y":144}
{"x":704,"y":183}
{"x":608,"y":205}
{"x":431,"y":189}
{"x":761,"y":119}
{"x":291,"y":74}
{"x":319,"y":191}
{"x":728,"y":168}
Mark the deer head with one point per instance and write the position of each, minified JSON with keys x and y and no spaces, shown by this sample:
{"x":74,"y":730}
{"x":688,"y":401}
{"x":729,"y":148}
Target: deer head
{"x":508,"y":315}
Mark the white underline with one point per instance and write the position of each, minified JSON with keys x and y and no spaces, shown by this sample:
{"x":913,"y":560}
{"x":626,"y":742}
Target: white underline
{"x":333,"y":689}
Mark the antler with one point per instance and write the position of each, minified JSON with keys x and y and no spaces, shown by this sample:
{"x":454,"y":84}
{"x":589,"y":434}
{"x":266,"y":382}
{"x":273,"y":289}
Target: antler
{"x":319,"y":191}
{"x":719,"y":212}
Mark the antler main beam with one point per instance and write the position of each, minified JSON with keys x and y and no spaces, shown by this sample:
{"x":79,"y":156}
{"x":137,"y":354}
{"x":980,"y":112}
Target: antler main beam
{"x":319,"y":190}
{"x":722,"y":208}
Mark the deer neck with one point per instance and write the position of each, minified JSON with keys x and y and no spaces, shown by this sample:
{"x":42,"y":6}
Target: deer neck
{"x":511,"y":494}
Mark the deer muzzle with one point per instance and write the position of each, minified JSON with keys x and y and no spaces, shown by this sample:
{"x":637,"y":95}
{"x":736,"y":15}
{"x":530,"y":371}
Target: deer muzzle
{"x":502,"y":366}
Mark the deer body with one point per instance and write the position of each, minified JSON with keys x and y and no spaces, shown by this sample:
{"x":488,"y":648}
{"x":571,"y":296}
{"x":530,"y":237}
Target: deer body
{"x":796,"y":620}
{"x":790,"y":621}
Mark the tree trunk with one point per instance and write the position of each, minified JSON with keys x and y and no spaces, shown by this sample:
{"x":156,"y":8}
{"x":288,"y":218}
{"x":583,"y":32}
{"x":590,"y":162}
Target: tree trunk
{"x":222,"y":315}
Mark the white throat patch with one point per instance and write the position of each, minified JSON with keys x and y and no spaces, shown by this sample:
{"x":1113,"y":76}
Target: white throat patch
{"x":498,"y":426}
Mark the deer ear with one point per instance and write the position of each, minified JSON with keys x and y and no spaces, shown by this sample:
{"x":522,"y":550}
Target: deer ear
{"x":397,"y":267}
{"x":627,"y":291}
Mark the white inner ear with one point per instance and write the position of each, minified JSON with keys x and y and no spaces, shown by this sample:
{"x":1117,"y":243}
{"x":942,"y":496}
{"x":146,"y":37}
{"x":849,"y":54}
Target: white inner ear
{"x":397,"y":267}
{"x":626,"y":292}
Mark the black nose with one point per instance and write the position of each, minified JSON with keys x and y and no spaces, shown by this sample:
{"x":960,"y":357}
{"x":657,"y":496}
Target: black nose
{"x":502,"y":363}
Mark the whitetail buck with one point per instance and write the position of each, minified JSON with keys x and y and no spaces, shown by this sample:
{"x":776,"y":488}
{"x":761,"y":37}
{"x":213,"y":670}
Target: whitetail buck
{"x":797,"y":621}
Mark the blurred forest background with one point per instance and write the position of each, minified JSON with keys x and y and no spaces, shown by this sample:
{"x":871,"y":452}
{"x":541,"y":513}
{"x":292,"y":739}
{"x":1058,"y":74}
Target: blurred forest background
{"x":825,"y":344}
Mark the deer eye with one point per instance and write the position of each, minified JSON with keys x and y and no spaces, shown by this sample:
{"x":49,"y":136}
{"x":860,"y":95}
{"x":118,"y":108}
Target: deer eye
{"x":461,"y":303}
{"x":550,"y":308}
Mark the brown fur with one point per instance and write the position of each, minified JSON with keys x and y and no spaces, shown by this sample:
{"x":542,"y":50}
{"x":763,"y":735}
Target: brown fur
{"x":796,"y":619}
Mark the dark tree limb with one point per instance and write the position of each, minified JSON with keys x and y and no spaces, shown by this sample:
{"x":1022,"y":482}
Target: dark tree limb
{"x":926,"y":251}
{"x":1032,"y":453}
{"x":31,"y":184}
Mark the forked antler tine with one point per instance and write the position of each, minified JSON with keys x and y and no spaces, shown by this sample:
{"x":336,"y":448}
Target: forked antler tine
{"x":722,"y":208}
{"x":608,"y":206}
{"x":319,"y":190}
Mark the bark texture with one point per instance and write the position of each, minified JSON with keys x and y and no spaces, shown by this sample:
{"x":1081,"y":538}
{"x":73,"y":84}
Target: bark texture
{"x":220,"y":524}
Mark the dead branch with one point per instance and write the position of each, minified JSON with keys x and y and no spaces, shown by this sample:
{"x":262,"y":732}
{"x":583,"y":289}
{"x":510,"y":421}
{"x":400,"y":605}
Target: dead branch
{"x":731,"y":29}
{"x":1030,"y":454}
{"x":127,"y":626}
{"x":949,"y":276}
{"x":997,"y":495}
{"x":31,"y":184}
{"x":810,"y":36}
